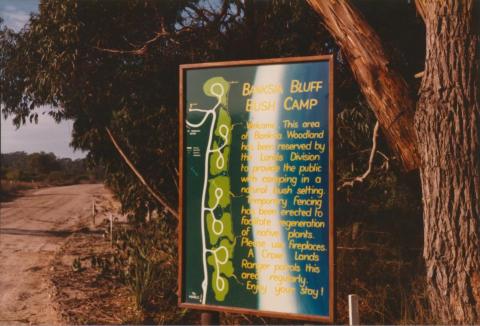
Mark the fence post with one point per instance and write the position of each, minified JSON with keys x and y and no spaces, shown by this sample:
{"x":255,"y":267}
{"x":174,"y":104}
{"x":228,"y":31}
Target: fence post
{"x":209,"y":318}
{"x":353,"y":316}
{"x":94,"y":211}
{"x":111,"y":229}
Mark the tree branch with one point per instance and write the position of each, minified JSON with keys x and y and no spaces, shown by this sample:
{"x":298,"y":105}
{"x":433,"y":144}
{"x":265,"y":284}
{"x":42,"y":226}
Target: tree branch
{"x":143,"y":49}
{"x":420,"y":9}
{"x":174,"y":176}
{"x":361,"y":178}
{"x":159,"y":198}
{"x":384,"y":89}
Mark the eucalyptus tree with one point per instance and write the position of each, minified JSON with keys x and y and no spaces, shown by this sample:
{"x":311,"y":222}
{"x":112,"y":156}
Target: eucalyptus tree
{"x":439,"y":133}
{"x":112,"y":67}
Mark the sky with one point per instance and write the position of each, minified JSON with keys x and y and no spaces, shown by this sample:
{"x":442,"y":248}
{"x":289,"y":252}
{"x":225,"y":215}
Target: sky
{"x":47,"y":135}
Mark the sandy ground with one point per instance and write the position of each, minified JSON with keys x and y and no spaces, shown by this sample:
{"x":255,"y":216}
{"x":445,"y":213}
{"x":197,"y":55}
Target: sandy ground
{"x":32,"y":230}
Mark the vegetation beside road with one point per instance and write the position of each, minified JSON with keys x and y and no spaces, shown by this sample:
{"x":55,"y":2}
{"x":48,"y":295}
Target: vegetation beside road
{"x":21,"y":171}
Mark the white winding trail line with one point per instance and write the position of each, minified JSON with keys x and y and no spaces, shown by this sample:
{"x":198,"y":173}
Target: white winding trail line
{"x":220,"y":163}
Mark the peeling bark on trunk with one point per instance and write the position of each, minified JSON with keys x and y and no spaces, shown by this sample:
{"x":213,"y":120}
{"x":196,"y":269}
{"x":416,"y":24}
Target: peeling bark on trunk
{"x":385,"y":90}
{"x":447,"y":123}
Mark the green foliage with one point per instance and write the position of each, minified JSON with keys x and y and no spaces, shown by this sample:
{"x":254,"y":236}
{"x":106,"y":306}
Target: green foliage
{"x":42,"y":163}
{"x":60,"y":59}
{"x":47,"y":168}
{"x":11,"y":189}
{"x":12,"y":174}
{"x":145,"y":254}
{"x":56,"y":61}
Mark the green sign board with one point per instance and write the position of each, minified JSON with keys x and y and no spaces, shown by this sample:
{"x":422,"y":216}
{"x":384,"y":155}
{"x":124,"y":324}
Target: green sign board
{"x":256,"y":187}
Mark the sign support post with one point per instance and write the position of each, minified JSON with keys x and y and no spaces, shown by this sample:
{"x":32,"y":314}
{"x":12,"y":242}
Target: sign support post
{"x":209,"y":318}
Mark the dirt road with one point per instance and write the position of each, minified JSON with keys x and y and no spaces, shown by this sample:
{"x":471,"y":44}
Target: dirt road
{"x":32,"y":229}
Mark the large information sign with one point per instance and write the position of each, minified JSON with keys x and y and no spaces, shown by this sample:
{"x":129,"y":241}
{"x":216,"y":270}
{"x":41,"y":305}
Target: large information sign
{"x":256,"y":187}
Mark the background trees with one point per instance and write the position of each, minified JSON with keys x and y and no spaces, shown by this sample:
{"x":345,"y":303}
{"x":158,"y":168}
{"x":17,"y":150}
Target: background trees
{"x":20,"y":171}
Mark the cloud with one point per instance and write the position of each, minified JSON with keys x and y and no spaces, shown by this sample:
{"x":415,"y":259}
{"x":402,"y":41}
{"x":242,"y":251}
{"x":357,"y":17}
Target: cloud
{"x":47,"y":136}
{"x":17,"y":13}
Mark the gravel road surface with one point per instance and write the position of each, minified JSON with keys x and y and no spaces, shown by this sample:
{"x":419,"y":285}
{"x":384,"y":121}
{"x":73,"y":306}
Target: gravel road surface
{"x":32,"y":228}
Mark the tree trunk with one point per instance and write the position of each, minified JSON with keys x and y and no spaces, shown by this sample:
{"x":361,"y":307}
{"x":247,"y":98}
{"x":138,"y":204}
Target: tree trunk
{"x":385,"y":90}
{"x":447,"y":123}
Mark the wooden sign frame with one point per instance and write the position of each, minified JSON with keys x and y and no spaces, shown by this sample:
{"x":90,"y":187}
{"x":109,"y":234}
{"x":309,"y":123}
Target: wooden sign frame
{"x":331,"y":188}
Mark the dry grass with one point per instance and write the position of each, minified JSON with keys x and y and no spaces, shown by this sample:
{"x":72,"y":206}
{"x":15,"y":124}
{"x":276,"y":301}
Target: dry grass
{"x":11,"y":189}
{"x":385,"y":269}
{"x":88,"y":296}
{"x":380,"y":262}
{"x":381,"y":267}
